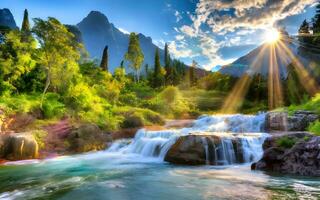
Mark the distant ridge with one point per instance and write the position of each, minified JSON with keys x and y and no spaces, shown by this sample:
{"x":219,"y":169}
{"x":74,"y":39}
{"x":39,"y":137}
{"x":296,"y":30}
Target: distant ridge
{"x":7,"y":19}
{"x":97,"y":32}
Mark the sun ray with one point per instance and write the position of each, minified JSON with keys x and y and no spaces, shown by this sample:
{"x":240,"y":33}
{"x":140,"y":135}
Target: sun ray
{"x":236,"y":97}
{"x":306,"y":79}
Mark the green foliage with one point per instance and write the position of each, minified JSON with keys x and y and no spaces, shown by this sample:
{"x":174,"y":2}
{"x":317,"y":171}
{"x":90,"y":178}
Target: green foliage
{"x":134,"y":54}
{"x":23,"y":103}
{"x":53,"y":107}
{"x":158,"y":78}
{"x":315,"y":128}
{"x":170,"y":103}
{"x":16,"y":60}
{"x":312,"y":105}
{"x":104,"y":60}
{"x":40,"y":137}
{"x":286,"y":142}
{"x":138,"y":117}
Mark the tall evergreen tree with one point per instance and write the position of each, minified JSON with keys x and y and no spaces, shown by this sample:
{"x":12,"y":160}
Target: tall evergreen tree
{"x":316,"y":20}
{"x":25,"y":23}
{"x":25,"y":27}
{"x":157,"y":76}
{"x":192,"y":73}
{"x":304,"y":33}
{"x":146,"y":68}
{"x":134,"y":54}
{"x":122,"y":64}
{"x":167,"y":66}
{"x":104,"y":61}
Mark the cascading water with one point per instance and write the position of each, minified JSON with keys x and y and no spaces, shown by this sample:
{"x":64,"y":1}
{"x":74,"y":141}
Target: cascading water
{"x":239,"y":139}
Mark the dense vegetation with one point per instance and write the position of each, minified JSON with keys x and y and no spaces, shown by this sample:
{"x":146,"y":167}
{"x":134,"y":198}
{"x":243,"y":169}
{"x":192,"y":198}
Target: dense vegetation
{"x":46,"y":72}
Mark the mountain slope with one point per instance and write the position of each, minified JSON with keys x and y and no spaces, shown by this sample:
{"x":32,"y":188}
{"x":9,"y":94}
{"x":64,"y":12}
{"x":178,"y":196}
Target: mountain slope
{"x":259,"y":60}
{"x":6,"y":18}
{"x":97,"y":32}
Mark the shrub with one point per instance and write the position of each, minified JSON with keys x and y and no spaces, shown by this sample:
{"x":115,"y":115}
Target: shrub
{"x":286,"y":142}
{"x":315,"y":128}
{"x":52,"y":107}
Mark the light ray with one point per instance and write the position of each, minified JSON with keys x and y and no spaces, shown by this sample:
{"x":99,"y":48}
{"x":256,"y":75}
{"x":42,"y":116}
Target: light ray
{"x":236,"y":97}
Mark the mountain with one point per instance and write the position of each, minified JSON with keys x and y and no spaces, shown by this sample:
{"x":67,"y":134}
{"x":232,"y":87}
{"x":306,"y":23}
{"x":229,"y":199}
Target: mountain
{"x":259,"y":60}
{"x":97,"y":32}
{"x":6,"y":19}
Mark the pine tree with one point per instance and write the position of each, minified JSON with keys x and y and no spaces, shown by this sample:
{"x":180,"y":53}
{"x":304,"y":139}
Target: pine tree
{"x":25,"y":23}
{"x":122,"y":64}
{"x":167,"y":66}
{"x":25,"y":28}
{"x":304,"y":33}
{"x":146,"y":68}
{"x":134,"y":54}
{"x":316,"y":20}
{"x":157,"y":76}
{"x":192,"y":75}
{"x":104,"y":61}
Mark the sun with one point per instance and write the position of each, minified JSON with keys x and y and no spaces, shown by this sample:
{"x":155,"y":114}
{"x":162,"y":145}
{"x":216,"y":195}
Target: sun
{"x":272,"y":35}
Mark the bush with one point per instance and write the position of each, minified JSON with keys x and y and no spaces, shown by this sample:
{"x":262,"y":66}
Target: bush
{"x":52,"y":107}
{"x":315,"y":128}
{"x":286,"y":142}
{"x":138,"y":117}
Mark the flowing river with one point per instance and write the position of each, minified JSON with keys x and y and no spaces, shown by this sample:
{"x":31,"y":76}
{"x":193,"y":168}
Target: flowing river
{"x":135,"y":169}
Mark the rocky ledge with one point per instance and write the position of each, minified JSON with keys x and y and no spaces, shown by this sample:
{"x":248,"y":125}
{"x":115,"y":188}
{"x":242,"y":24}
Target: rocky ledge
{"x":295,"y":153}
{"x":282,"y":121}
{"x":201,"y":149}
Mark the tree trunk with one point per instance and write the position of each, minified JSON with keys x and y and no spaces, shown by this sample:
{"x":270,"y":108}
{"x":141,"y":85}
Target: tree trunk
{"x":48,"y":81}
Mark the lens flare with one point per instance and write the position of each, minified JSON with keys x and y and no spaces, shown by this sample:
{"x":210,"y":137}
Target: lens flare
{"x":272,"y":35}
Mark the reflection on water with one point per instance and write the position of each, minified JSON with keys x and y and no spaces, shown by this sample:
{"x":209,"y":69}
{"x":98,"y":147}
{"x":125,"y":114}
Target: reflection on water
{"x":105,"y":175}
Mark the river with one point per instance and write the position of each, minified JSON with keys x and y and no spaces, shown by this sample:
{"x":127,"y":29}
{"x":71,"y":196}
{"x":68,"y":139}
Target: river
{"x":136,"y":170}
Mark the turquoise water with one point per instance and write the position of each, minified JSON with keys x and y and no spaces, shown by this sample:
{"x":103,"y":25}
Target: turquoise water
{"x":105,"y":175}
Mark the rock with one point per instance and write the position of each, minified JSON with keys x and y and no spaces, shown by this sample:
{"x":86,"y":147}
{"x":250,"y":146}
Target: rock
{"x":18,"y":146}
{"x":198,"y":149}
{"x":87,"y":137}
{"x":188,"y":150}
{"x":281,"y":121}
{"x":303,"y":158}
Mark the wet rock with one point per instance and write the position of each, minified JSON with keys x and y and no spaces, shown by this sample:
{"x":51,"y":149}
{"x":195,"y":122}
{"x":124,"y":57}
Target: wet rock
{"x":18,"y":146}
{"x":87,"y":137}
{"x":281,"y":121}
{"x":207,"y":149}
{"x":300,"y":159}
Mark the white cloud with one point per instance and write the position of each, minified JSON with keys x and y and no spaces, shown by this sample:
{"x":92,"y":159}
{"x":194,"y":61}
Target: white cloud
{"x":124,"y":31}
{"x":160,"y":43}
{"x":179,"y":37}
{"x":165,"y":33}
{"x":188,"y":30}
{"x":178,"y":16}
{"x":179,"y":50}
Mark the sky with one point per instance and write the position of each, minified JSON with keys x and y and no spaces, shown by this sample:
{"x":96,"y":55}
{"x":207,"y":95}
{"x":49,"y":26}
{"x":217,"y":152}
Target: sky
{"x":211,"y":32}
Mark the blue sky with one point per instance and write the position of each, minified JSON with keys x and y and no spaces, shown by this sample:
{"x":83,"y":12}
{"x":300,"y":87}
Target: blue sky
{"x":212,"y":32}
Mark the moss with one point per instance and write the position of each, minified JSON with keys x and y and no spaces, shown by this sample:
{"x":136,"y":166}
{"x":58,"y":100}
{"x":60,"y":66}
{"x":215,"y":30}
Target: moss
{"x":286,"y":142}
{"x":315,"y":128}
{"x":40,"y":137}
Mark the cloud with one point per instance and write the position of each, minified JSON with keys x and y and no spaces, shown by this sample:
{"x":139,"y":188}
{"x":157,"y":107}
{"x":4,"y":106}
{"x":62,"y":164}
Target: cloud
{"x":124,"y":31}
{"x":251,"y":14}
{"x":188,"y":30}
{"x":179,"y":50}
{"x":179,"y":37}
{"x":178,"y":16}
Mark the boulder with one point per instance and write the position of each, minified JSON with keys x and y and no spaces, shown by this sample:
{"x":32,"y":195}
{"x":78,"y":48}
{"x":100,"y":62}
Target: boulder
{"x":298,"y":121}
{"x":18,"y":146}
{"x":87,"y":137}
{"x":198,"y":149}
{"x":303,"y":158}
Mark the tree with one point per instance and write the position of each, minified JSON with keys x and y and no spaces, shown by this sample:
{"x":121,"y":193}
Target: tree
{"x":157,"y":75}
{"x":16,"y":60}
{"x":134,"y":54}
{"x":167,"y":66}
{"x":58,"y":53}
{"x":104,"y":60}
{"x":316,"y":20}
{"x":25,"y":28}
{"x":192,"y":75}
{"x":304,"y":35}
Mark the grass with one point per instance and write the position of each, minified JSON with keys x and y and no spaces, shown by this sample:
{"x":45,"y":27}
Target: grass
{"x":286,"y":142}
{"x":204,"y":101}
{"x":315,"y":128}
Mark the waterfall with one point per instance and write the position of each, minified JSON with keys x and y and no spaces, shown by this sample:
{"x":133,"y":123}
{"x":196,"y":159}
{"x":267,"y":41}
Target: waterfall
{"x":226,"y":139}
